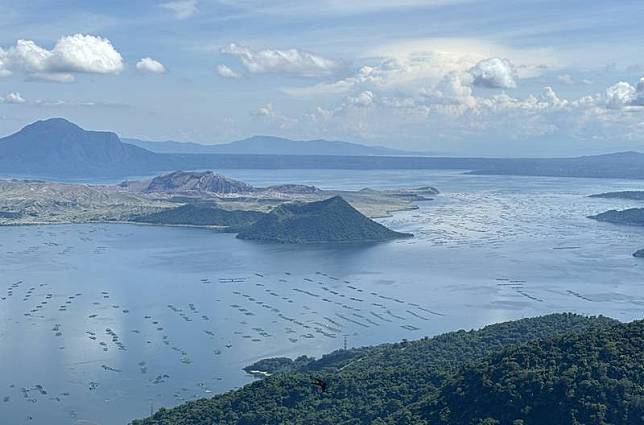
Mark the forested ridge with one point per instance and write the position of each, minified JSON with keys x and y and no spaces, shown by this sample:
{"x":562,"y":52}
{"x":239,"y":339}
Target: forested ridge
{"x":555,"y":369}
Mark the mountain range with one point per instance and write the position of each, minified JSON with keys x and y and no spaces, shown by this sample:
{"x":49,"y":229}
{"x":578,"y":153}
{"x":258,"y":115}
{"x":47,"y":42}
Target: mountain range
{"x":57,"y":148}
{"x":269,"y":145}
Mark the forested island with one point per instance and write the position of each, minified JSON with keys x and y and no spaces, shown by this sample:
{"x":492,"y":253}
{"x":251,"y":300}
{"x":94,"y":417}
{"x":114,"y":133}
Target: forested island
{"x":555,"y":369}
{"x":635,"y":195}
{"x":630,"y":216}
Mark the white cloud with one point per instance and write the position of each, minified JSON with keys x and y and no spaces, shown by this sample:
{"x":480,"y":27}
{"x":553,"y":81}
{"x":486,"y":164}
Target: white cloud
{"x":265,"y":111}
{"x":332,"y":7}
{"x":623,"y":95}
{"x":270,"y":116}
{"x":12,"y":98}
{"x":451,"y":112}
{"x":366,"y":75}
{"x":226,"y":72}
{"x":455,"y":89}
{"x":150,"y":65}
{"x":620,"y":95}
{"x":58,"y":103}
{"x":639,"y":93}
{"x":413,"y":64}
{"x":363,"y":100}
{"x":460,"y":54}
{"x":76,"y":53}
{"x":494,"y":73}
{"x":182,"y":9}
{"x":290,"y":61}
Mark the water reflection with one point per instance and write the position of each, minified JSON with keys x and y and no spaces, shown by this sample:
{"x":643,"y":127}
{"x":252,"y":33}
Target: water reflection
{"x":101,"y":322}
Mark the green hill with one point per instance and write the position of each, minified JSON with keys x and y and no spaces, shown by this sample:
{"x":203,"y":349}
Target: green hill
{"x":414,"y":382}
{"x":594,"y":377}
{"x":331,"y":220}
{"x":201,"y":215}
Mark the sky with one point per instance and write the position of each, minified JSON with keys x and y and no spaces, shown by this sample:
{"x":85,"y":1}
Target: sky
{"x":450,"y":77}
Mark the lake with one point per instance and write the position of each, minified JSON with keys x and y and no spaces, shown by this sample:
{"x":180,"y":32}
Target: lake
{"x":104,"y":323}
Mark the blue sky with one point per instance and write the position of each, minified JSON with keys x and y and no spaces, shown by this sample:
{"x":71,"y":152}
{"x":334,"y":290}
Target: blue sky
{"x":460,"y":77}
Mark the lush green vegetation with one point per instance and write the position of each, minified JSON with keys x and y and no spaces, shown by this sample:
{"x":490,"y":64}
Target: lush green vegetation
{"x":593,"y":377}
{"x":587,"y":369}
{"x":277,"y":364}
{"x":201,"y":215}
{"x":331,"y":220}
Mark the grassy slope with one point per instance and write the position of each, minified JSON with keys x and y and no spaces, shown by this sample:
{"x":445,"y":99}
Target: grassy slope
{"x":199,"y":215}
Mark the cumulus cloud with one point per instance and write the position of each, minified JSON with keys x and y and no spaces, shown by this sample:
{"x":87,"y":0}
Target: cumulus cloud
{"x":494,"y":73}
{"x":418,"y":69}
{"x":182,"y":9}
{"x":451,"y":111}
{"x":624,"y":95}
{"x":269,"y":115}
{"x":455,"y":88}
{"x":363,"y":100}
{"x":12,"y":98}
{"x":290,"y":61}
{"x":150,"y":65}
{"x":76,"y":53}
{"x":226,"y":72}
{"x":265,"y":111}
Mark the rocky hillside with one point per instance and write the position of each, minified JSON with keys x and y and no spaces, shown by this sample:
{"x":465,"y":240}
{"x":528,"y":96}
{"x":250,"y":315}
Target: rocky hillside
{"x":196,"y":181}
{"x":331,"y":220}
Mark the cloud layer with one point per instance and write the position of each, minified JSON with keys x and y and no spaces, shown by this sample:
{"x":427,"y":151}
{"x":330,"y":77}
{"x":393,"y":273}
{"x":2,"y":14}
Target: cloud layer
{"x":182,"y":9}
{"x":290,"y":61}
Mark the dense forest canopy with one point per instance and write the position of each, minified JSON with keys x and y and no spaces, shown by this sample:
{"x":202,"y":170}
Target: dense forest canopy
{"x":561,"y":368}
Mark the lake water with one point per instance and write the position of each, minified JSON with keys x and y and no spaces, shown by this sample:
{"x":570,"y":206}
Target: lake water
{"x":102,"y":323}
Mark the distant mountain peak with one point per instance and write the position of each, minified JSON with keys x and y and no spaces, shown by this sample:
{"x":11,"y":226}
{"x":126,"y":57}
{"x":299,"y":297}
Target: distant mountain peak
{"x":58,"y":147}
{"x":52,"y":124}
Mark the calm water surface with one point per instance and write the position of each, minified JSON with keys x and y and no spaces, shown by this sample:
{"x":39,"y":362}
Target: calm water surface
{"x":102,"y":323}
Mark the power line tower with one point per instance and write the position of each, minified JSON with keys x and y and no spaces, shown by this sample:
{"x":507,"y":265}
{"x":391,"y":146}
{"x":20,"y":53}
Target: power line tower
{"x":345,"y":342}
